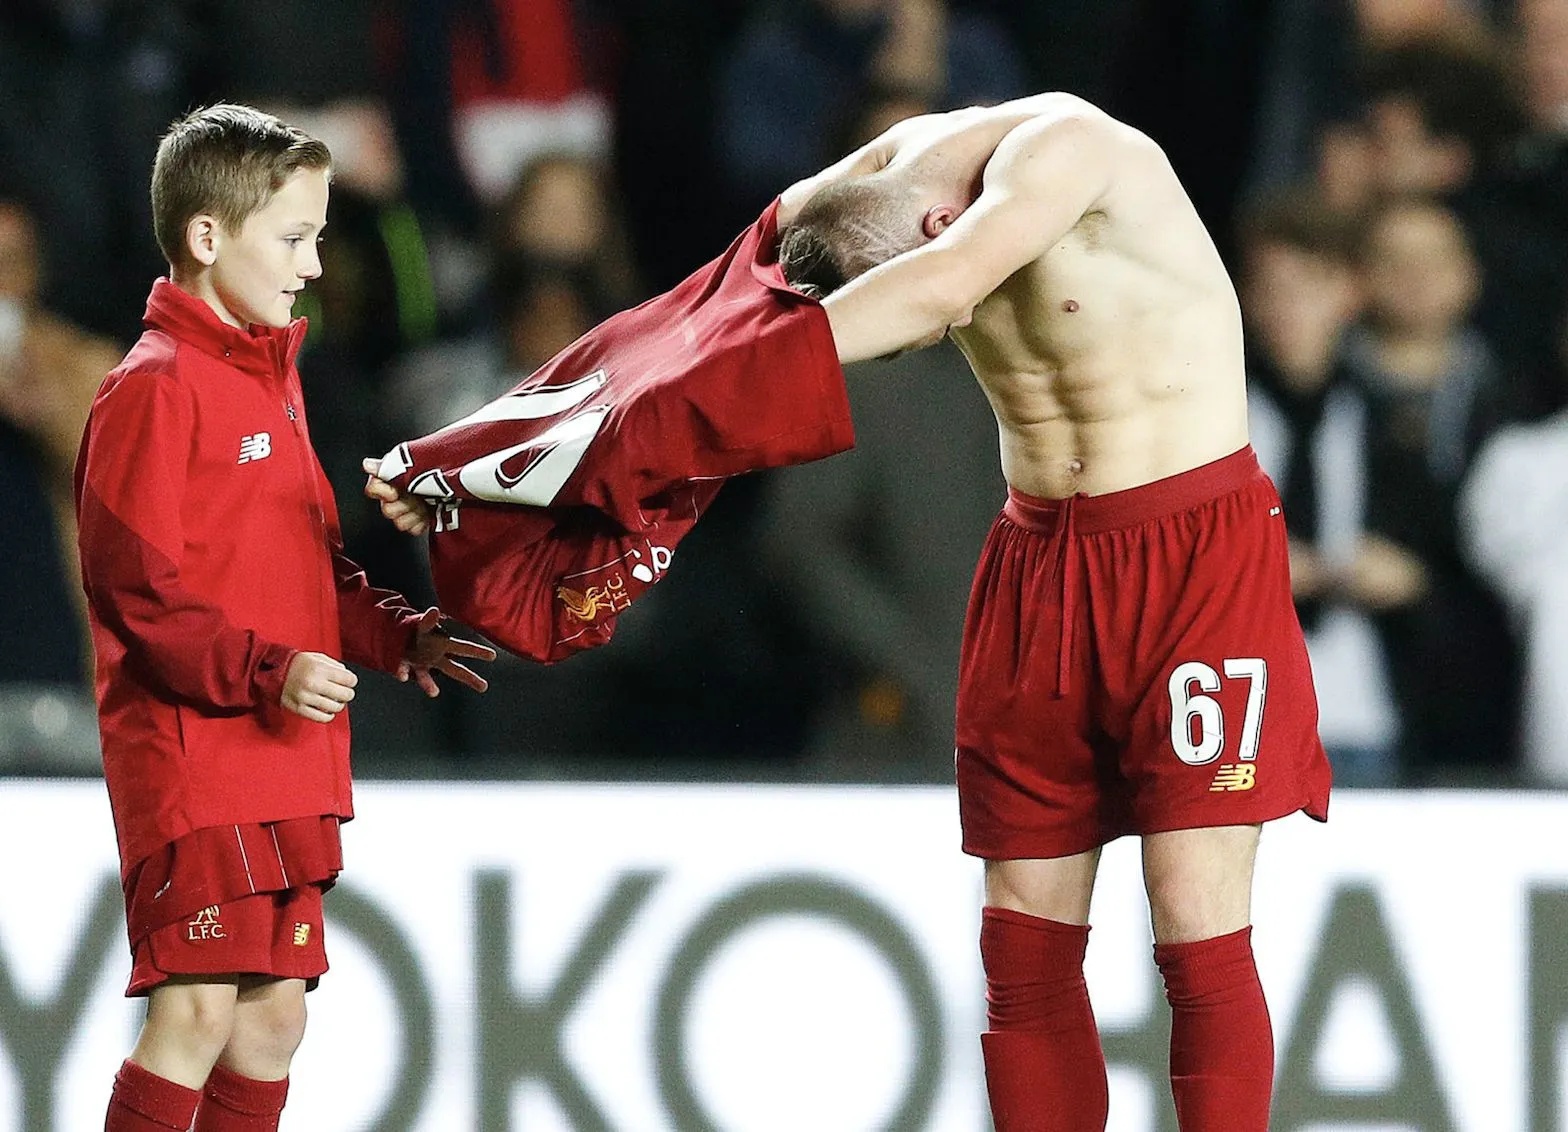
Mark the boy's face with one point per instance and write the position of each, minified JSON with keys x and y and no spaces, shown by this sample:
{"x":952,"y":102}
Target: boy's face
{"x":258,"y":271}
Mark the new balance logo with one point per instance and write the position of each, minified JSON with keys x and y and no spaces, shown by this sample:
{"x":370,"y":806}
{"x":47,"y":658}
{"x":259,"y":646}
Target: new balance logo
{"x":301,"y":934}
{"x":1235,"y":776}
{"x":255,"y":447}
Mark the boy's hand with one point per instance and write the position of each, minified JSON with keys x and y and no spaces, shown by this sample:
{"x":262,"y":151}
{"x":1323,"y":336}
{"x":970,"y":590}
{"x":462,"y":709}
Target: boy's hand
{"x":317,"y":687}
{"x":408,"y":513}
{"x":432,"y":650}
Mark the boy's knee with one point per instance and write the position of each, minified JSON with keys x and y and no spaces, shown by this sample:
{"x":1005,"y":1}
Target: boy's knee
{"x":195,"y":1015}
{"x":274,"y":1026}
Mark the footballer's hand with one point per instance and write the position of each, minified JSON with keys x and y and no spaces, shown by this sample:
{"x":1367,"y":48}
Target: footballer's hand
{"x":408,"y":513}
{"x":317,"y":687}
{"x":432,"y":649}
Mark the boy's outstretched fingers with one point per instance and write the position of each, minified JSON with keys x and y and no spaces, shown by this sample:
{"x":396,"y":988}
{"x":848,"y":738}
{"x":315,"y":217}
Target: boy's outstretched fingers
{"x":433,"y":649}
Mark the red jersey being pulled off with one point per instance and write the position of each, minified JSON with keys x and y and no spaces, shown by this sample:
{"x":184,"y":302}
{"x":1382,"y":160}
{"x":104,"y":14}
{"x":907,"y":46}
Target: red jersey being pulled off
{"x":561,"y":502}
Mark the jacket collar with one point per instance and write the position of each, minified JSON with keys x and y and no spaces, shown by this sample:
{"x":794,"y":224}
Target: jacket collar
{"x":260,"y":350}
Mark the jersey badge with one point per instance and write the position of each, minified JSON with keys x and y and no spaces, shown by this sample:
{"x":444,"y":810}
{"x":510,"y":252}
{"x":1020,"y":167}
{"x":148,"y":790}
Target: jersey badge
{"x":587,"y":605}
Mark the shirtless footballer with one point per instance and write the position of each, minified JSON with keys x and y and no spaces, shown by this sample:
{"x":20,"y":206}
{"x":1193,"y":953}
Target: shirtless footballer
{"x":1132,"y":661}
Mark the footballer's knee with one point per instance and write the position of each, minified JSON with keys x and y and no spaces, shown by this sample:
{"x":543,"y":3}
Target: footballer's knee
{"x":1199,"y":881}
{"x":269,"y":1025}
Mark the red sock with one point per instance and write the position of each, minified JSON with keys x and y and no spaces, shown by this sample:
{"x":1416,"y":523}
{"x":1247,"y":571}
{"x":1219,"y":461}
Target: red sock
{"x":232,"y":1103}
{"x":142,"y":1101}
{"x":1044,"y":1069}
{"x":1222,"y":1046}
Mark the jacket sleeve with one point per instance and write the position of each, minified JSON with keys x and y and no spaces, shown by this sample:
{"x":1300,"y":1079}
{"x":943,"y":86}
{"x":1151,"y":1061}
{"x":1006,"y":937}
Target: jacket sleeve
{"x":374,"y":624}
{"x":131,"y":478}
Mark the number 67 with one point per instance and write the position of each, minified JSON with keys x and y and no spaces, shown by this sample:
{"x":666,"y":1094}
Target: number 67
{"x":1188,"y":706}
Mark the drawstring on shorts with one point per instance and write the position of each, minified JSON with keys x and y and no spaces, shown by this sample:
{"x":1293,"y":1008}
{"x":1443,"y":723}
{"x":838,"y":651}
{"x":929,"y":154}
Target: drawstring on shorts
{"x":1065,"y":544}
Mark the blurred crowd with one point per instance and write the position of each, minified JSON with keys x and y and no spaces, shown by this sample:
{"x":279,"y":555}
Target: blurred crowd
{"x":1387,"y":178}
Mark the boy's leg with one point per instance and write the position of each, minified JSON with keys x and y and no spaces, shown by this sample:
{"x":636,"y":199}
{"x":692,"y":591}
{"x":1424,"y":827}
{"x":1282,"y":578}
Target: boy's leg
{"x":189,"y":1019}
{"x":1045,"y":1070}
{"x":1222,"y":1045}
{"x":247,"y":1088}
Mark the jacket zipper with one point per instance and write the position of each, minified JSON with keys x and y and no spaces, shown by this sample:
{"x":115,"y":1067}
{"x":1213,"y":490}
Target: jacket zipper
{"x":318,"y":513}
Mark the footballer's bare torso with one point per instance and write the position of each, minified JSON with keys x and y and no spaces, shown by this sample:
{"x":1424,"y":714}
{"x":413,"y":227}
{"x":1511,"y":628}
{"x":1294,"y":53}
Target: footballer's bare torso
{"x":1115,"y":357}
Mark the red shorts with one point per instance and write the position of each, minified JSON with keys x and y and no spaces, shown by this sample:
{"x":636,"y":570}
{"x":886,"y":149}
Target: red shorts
{"x":1132,"y":663}
{"x":270,"y":933}
{"x":265,"y":881}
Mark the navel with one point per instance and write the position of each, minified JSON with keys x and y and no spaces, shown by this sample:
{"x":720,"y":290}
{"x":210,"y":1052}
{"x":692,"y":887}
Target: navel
{"x":1070,"y":306}
{"x":1075,"y":466}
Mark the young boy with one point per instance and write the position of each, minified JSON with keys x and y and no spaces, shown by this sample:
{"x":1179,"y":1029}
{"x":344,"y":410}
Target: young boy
{"x":219,"y":601}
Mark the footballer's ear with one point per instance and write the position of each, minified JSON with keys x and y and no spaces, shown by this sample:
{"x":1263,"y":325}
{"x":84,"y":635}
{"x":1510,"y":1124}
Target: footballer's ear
{"x":937,"y":219}
{"x":202,"y":236}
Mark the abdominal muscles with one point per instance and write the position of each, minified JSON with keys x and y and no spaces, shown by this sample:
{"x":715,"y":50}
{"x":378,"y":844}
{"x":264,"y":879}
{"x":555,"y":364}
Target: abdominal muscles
{"x":1108,"y":376}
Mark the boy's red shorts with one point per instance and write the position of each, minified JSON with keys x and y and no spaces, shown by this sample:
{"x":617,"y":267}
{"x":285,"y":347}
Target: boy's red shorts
{"x":233,"y":900}
{"x":1132,"y":663}
{"x":271,"y":933}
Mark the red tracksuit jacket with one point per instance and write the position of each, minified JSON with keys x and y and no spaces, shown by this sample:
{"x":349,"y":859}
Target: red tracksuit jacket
{"x":210,"y":554}
{"x":561,"y":502}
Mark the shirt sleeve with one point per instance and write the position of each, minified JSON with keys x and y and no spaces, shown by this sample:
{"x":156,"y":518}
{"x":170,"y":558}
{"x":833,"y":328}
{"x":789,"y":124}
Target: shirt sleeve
{"x":131,"y":482}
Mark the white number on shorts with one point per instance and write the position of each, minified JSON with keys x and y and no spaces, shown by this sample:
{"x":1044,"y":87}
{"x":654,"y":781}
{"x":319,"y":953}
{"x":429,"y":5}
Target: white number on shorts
{"x":1257,"y":675}
{"x":1188,"y":706}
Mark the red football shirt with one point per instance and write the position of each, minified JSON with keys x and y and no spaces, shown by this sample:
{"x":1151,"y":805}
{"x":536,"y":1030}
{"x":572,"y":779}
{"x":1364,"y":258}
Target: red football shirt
{"x":561,"y":502}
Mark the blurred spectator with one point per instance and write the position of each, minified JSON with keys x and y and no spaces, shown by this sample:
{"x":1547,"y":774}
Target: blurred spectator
{"x":799,"y":64}
{"x":1521,"y":218}
{"x":1515,"y":523}
{"x":1431,"y":385}
{"x":562,"y":210}
{"x":1542,"y":30}
{"x":86,"y":90}
{"x":1300,"y":293}
{"x":1432,"y":115}
{"x":539,"y":308}
{"x":1438,"y":112}
{"x":1311,"y":62}
{"x":315,"y":65}
{"x":491,"y":84}
{"x":49,"y":373}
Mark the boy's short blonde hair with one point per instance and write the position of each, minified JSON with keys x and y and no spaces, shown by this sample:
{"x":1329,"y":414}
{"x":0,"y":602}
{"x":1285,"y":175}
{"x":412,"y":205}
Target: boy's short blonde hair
{"x":225,"y":161}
